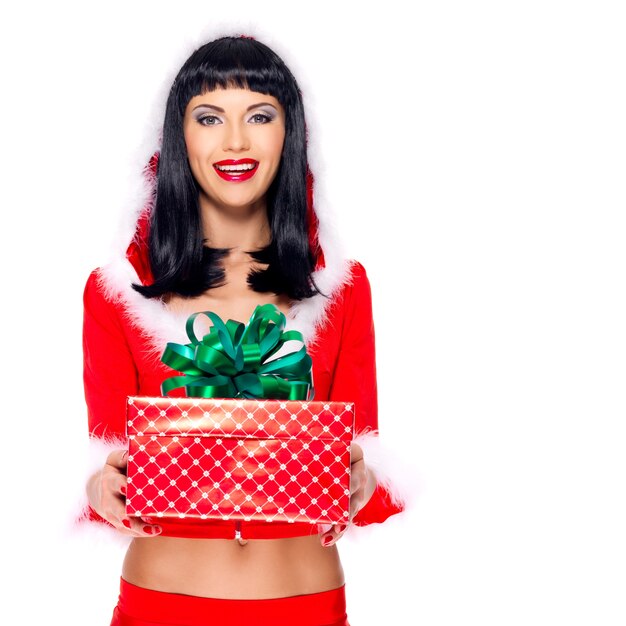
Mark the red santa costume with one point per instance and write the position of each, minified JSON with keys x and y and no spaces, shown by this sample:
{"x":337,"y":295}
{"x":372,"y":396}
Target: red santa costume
{"x":125,"y":334}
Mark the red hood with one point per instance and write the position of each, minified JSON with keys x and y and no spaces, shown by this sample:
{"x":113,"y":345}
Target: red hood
{"x":137,"y":251}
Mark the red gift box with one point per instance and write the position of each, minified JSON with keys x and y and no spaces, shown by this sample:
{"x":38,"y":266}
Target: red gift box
{"x":241,"y":459}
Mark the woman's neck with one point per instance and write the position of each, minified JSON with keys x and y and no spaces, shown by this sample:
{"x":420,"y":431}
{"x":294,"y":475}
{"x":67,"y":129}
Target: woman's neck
{"x":238,"y":228}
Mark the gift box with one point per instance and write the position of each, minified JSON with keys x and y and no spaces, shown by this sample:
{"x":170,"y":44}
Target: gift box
{"x":248,"y":442}
{"x":244,"y":459}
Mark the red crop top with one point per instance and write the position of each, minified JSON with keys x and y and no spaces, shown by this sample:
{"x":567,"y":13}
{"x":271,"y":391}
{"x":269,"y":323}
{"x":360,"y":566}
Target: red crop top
{"x":124,"y":335}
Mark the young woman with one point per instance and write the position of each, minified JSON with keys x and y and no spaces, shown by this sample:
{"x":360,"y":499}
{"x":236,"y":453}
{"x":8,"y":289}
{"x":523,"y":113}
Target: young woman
{"x":226,"y":220}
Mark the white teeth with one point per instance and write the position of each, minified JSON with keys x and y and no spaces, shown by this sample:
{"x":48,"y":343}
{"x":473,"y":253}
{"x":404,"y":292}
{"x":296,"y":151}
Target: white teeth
{"x":236,"y":168}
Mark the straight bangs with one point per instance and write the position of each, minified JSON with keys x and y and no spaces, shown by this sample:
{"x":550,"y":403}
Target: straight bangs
{"x":225,"y":63}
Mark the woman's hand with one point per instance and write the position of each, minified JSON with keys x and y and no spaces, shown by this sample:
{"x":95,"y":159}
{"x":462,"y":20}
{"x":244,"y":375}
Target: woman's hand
{"x":106,"y":491}
{"x":362,"y":485}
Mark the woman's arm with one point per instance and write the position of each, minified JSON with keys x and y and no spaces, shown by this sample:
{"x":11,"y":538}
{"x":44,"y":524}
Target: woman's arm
{"x":354,"y":378}
{"x":109,"y":376}
{"x":109,"y":371}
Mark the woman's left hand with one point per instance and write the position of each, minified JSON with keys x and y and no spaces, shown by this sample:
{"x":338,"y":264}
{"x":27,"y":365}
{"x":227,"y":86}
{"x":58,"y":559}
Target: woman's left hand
{"x":359,"y":474}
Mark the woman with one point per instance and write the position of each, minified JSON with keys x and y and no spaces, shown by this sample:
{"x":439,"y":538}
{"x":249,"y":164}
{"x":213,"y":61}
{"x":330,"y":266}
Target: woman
{"x":232,"y":225}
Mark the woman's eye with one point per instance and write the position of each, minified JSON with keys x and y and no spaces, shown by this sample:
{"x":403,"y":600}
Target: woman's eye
{"x":266,"y":118}
{"x":203,"y":119}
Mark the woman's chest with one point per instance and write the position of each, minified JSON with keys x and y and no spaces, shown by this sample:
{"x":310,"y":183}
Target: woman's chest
{"x":231,"y":305}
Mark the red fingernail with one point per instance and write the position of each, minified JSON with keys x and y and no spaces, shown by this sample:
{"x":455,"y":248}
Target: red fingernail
{"x":123,"y":489}
{"x":147,"y":529}
{"x":342,"y":527}
{"x":327,"y":539}
{"x":126,"y":523}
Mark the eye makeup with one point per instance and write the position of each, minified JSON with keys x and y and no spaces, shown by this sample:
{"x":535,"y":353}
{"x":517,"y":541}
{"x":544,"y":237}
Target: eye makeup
{"x":264,"y":107}
{"x":203,"y":112}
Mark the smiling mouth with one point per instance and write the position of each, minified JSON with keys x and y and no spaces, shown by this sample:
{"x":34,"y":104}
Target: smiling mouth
{"x":244,"y":167}
{"x":238,"y":172}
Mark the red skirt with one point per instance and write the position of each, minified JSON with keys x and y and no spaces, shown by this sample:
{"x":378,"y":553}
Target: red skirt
{"x":138,"y":606}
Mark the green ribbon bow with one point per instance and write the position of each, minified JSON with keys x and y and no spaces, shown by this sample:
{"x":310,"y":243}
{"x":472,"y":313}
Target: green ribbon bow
{"x":231,"y":360}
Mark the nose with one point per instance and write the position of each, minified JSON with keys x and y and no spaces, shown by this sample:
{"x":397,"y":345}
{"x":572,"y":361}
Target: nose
{"x":236,"y":138}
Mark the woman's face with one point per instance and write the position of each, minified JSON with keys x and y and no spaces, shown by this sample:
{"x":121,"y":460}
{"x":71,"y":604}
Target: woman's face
{"x":234,"y":125}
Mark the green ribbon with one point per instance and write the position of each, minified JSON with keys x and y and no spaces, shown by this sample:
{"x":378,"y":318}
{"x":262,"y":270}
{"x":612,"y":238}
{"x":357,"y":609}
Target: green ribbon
{"x":231,"y":360}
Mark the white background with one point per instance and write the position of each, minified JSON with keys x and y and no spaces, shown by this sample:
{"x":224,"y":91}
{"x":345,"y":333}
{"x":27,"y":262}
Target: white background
{"x":475,"y":155}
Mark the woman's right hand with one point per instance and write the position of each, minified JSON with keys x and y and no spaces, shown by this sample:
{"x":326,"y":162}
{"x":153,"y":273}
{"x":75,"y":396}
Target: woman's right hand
{"x":106,"y":491}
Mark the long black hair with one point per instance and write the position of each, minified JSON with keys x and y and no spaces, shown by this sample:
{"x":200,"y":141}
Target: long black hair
{"x":180,"y":260}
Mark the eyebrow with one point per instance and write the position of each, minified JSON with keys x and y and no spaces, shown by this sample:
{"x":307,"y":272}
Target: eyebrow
{"x":216,"y":108}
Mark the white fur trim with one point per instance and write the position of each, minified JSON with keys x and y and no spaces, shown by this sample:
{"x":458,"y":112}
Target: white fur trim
{"x":307,"y":316}
{"x":95,"y":454}
{"x":396,"y":476}
{"x":384,"y":463}
{"x":163,"y":325}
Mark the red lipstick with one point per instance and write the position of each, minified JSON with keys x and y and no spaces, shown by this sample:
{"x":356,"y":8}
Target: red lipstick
{"x":236,"y":176}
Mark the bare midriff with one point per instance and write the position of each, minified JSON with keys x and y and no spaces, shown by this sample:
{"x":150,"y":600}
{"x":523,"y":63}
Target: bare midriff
{"x":230,"y":568}
{"x":223,"y":568}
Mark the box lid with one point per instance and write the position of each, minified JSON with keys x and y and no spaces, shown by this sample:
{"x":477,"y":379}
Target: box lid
{"x":237,"y":417}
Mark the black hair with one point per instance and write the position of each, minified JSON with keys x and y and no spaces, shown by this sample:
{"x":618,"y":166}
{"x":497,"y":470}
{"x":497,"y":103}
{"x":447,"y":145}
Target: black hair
{"x":180,"y":260}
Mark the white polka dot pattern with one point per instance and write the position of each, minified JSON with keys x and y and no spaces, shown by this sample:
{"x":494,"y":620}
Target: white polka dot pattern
{"x":239,"y":459}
